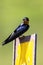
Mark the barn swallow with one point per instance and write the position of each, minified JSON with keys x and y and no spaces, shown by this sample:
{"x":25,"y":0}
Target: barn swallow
{"x":22,"y":28}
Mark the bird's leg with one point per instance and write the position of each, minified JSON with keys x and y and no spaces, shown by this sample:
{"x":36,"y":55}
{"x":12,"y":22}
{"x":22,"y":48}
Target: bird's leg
{"x":23,"y":36}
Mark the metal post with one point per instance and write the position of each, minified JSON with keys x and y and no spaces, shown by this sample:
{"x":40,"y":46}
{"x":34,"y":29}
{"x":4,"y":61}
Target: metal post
{"x":24,"y":50}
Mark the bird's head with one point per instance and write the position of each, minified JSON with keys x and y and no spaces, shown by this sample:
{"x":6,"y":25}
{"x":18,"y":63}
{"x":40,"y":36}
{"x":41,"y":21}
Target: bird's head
{"x":26,"y":20}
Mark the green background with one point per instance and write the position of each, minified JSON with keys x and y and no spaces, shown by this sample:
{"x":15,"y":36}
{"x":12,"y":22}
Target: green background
{"x":11,"y":14}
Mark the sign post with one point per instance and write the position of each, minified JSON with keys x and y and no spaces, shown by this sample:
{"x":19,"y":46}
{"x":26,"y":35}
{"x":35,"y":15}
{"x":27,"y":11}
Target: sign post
{"x":24,"y":50}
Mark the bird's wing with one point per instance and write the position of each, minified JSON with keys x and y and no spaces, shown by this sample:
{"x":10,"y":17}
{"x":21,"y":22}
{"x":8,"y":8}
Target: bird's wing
{"x":22,"y":29}
{"x":16,"y":28}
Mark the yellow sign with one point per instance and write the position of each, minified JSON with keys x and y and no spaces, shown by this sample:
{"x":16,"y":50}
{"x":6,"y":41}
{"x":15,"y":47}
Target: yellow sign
{"x":25,"y":52}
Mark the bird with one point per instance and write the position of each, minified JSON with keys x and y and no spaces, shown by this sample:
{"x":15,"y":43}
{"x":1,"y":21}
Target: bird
{"x":22,"y":28}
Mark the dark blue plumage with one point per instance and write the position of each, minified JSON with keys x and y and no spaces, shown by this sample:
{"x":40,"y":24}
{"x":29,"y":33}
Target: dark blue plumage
{"x":18,"y":32}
